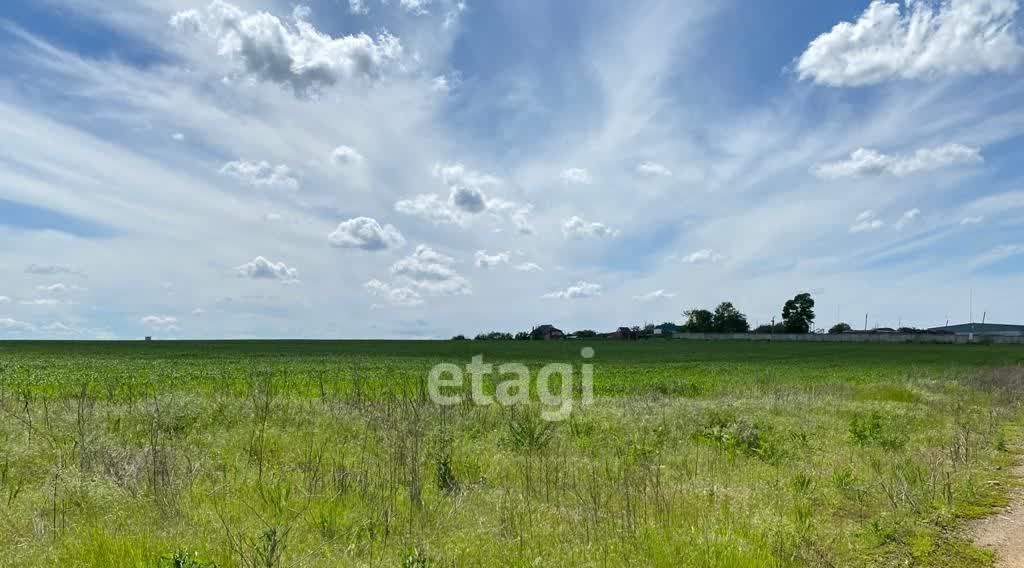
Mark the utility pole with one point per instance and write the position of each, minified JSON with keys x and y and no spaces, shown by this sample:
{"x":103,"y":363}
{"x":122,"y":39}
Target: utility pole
{"x":983,"y":316}
{"x":865,"y":322}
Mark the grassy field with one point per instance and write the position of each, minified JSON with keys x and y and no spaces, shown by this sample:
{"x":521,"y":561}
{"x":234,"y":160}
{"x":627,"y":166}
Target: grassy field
{"x":269,"y":454}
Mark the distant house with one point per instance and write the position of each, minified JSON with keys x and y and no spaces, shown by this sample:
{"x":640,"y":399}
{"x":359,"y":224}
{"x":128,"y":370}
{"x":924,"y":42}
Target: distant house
{"x":546,"y":332}
{"x":981,"y":329}
{"x":667,"y":329}
{"x":623,"y":333}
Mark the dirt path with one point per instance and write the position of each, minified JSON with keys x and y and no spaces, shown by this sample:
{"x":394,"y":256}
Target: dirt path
{"x":1004,"y":532}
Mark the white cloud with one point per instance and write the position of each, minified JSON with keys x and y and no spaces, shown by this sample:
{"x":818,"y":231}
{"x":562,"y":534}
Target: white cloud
{"x":260,"y":268}
{"x":457,"y":174}
{"x":484,"y":260}
{"x":396,"y":296}
{"x":162,"y":323}
{"x":654,"y":296}
{"x":440,"y":84}
{"x":8,"y":324}
{"x":580,"y":290}
{"x":926,"y":39}
{"x":346,"y":155}
{"x":295,"y":54}
{"x":417,"y":7}
{"x":907,"y":219}
{"x":703,"y":256}
{"x":653,"y":169}
{"x":366,"y":234}
{"x":430,"y":207}
{"x":358,"y":7}
{"x":576,"y":176}
{"x":178,"y":137}
{"x":971,"y":220}
{"x":261,"y":174}
{"x":40,"y":302}
{"x":997,"y":254}
{"x":51,"y":270}
{"x":864,"y":162}
{"x":432,"y":271}
{"x":576,"y":228}
{"x":187,"y":21}
{"x":866,"y":222}
{"x":5,"y":300}
{"x":528,"y":267}
{"x":58,"y":327}
{"x":199,"y":312}
{"x":468,"y":199}
{"x":58,"y":288}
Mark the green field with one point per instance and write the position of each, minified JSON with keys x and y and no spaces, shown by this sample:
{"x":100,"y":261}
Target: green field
{"x":332,"y":454}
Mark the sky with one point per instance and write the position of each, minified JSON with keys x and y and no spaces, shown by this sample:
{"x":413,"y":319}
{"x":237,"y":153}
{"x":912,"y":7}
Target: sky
{"x":424,"y":168}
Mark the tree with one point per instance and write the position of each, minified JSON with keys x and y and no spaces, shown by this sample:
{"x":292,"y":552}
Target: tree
{"x":798,"y":314}
{"x":767,"y":328}
{"x":727,"y":319}
{"x":523,"y":336}
{"x":840,"y":328}
{"x":585,"y":334}
{"x":699,"y":321}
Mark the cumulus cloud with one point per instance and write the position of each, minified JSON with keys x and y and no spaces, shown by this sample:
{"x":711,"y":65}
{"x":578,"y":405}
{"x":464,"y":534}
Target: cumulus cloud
{"x":576,"y":176}
{"x":261,"y":174}
{"x":430,"y":207}
{"x":576,"y":228}
{"x":580,"y":290}
{"x":971,"y":220}
{"x":295,"y":53}
{"x":417,"y":7}
{"x":396,"y":296}
{"x":864,"y":162}
{"x":703,"y":256}
{"x":653,"y":169}
{"x":528,"y":267}
{"x":358,"y":7}
{"x":654,"y":296}
{"x":367,"y":234}
{"x":5,"y":300}
{"x":346,"y":155}
{"x":866,"y":222}
{"x":466,"y":199}
{"x":907,"y":219}
{"x":178,"y":137}
{"x":484,"y":260}
{"x":431,"y":271}
{"x":922,"y":40}
{"x":187,"y":21}
{"x":260,"y":268}
{"x":161,"y":323}
{"x":8,"y":324}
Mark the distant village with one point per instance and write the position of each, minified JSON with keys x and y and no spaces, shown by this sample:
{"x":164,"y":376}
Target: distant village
{"x":725,"y":321}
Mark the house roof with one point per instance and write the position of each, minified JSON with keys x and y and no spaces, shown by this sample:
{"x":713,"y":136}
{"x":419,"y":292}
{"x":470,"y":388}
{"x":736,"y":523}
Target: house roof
{"x":979,"y":328}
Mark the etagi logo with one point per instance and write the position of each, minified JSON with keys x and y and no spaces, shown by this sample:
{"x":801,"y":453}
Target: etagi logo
{"x":514,"y":391}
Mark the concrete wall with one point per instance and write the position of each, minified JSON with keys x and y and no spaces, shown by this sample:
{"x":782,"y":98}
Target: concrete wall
{"x":852,"y":338}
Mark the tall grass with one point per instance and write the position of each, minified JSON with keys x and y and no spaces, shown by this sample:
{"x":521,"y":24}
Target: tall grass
{"x":201,"y":456}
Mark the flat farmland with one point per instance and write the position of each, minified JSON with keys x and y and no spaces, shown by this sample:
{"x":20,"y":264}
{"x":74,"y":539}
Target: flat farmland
{"x":321,"y":453}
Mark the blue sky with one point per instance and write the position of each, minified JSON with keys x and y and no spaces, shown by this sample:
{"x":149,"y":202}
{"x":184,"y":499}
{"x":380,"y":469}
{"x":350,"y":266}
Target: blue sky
{"x":421,"y":168}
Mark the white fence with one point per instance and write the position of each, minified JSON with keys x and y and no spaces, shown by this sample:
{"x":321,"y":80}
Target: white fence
{"x":853,"y":337}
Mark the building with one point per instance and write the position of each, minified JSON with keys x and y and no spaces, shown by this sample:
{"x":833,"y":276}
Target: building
{"x":623,"y":333}
{"x":546,"y":332}
{"x":982,"y":329}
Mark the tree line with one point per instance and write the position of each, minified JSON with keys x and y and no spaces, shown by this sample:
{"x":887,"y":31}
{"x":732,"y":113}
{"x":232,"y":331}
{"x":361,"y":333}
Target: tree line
{"x":797,"y":317}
